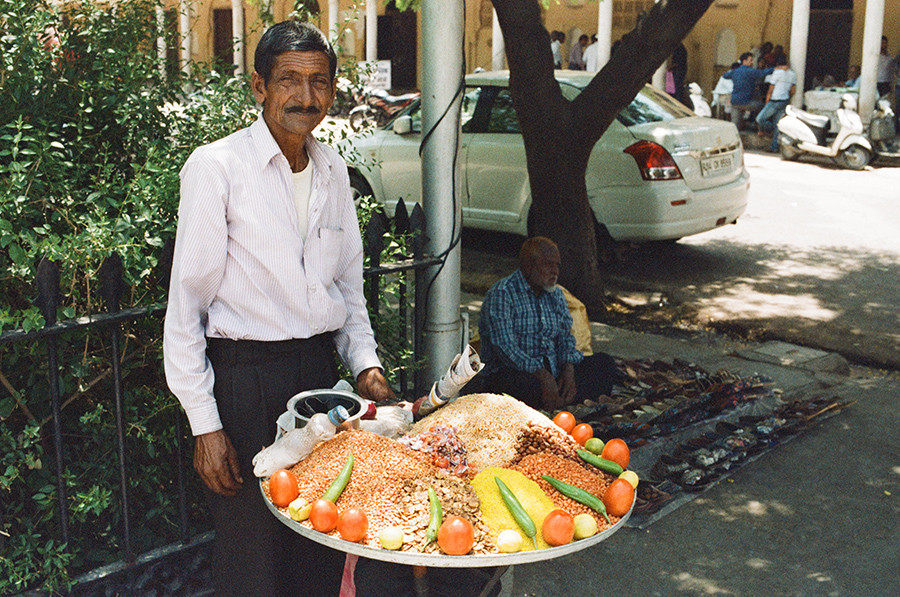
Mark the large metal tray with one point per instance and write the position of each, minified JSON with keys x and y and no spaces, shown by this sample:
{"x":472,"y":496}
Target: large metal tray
{"x":441,"y":560}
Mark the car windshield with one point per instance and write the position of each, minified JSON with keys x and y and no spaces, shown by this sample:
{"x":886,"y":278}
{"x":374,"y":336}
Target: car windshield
{"x":650,"y":105}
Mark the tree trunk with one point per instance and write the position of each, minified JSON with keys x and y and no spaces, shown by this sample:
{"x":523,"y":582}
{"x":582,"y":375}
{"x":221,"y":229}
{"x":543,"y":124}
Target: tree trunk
{"x":559,"y":134}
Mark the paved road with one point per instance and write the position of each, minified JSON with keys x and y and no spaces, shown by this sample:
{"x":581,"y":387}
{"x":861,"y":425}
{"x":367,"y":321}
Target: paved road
{"x":814,"y":261}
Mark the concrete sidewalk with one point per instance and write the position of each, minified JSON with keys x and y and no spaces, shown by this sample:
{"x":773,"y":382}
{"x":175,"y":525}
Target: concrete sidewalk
{"x":815,"y":516}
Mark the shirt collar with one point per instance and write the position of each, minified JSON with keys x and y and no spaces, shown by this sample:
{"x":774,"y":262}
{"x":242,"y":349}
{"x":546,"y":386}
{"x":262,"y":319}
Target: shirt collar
{"x":266,"y":148}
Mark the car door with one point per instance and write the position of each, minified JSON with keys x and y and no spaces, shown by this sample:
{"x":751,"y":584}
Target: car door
{"x":398,"y":156}
{"x":496,"y":172}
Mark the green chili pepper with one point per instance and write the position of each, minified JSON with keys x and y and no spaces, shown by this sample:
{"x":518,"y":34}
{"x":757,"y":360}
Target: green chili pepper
{"x":437,"y":516}
{"x":603,"y":464}
{"x":518,"y":512}
{"x":337,"y":486}
{"x":578,"y":494}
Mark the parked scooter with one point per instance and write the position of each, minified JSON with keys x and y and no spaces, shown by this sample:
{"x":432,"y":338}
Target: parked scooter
{"x":377,"y":107}
{"x":700,"y":105}
{"x":883,"y":131}
{"x":804,"y":133}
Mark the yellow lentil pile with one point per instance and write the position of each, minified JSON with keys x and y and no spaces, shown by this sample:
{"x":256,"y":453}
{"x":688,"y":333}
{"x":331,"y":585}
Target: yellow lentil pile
{"x":494,"y":512}
{"x":488,"y":425}
{"x":571,"y":472}
{"x":380,"y":467}
{"x":457,"y":498}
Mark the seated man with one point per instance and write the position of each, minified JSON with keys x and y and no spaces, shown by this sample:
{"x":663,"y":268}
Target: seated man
{"x":527,"y":344}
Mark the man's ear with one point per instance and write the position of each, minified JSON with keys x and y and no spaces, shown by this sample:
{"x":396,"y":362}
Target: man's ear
{"x":258,"y":85}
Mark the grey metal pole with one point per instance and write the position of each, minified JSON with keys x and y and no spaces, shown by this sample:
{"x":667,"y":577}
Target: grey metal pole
{"x":442,"y":80}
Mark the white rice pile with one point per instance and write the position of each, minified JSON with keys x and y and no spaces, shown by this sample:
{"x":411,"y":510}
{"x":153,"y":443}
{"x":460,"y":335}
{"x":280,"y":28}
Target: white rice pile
{"x":487,"y":424}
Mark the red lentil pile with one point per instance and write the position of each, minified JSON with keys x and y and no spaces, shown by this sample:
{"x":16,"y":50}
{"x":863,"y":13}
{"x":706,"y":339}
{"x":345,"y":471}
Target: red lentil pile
{"x":380,"y":467}
{"x":568,"y":471}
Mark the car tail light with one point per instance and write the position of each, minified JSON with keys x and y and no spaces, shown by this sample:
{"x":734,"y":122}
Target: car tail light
{"x":654,"y":161}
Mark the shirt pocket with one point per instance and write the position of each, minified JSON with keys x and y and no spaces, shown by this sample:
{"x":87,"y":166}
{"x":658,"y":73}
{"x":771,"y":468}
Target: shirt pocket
{"x":326,"y":252}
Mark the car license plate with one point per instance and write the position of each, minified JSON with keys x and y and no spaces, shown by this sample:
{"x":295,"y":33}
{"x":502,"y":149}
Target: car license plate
{"x":716,"y":165}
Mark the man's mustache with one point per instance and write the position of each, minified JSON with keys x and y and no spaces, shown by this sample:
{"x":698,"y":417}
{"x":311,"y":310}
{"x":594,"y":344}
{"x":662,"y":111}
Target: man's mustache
{"x":304,"y":110}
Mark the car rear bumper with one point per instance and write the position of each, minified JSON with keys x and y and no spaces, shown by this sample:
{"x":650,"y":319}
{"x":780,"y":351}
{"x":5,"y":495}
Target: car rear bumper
{"x":668,"y":210}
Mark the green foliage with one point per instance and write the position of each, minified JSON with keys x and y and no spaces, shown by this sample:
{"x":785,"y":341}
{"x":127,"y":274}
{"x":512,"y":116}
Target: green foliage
{"x":92,"y":138}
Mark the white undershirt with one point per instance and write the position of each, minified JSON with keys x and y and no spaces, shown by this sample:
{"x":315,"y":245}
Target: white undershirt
{"x":302,"y":190}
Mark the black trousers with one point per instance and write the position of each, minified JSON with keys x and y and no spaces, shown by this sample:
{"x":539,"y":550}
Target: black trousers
{"x":254,"y":553}
{"x":374,"y":578}
{"x":594,"y":376}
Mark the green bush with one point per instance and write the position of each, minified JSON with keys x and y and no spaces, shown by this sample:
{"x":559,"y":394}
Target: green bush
{"x":92,"y":137}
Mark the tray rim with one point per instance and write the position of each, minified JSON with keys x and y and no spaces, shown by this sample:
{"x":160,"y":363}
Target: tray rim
{"x":443,"y":560}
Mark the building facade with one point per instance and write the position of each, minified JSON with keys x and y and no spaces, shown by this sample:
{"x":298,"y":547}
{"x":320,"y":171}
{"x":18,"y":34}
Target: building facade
{"x":369,"y":29}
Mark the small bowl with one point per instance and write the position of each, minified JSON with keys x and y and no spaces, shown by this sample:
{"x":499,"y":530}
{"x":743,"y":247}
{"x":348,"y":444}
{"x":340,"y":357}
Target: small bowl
{"x":305,"y":404}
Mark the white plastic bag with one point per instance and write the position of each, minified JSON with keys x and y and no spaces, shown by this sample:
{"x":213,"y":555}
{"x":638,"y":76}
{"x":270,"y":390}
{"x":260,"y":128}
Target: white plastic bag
{"x":389,"y":421}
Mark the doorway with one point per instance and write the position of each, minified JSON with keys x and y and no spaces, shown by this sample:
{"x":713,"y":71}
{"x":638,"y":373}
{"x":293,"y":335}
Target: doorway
{"x":398,"y":42}
{"x":830,"y":29}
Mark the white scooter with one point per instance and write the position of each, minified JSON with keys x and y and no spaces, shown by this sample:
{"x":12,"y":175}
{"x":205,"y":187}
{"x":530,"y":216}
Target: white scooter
{"x":883,"y":132}
{"x":801,"y":132}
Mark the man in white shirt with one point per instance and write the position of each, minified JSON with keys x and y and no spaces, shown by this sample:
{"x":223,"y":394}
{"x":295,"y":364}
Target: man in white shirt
{"x":557,"y":39}
{"x":266,"y":284}
{"x":782,"y":84}
{"x":591,"y":56}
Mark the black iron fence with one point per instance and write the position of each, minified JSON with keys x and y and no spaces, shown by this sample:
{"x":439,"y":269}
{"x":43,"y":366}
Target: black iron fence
{"x":406,"y":273}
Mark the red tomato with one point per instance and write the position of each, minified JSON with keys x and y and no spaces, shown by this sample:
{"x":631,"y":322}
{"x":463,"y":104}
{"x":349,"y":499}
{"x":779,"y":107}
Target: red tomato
{"x":558,"y":527}
{"x":283,"y":488}
{"x":565,"y":420}
{"x":323,"y":516}
{"x":582,"y":433}
{"x":618,"y":497}
{"x":352,"y":524}
{"x":456,"y":536}
{"x":617,"y":451}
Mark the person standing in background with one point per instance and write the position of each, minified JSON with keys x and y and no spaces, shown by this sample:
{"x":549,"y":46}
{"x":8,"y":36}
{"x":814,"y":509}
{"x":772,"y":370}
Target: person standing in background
{"x":576,"y":54}
{"x":886,"y":67}
{"x":557,"y":39}
{"x":782,"y":84}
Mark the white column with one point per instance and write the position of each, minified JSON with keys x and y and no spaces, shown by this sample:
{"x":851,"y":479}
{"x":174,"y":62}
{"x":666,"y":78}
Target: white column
{"x":161,"y":39}
{"x":184,"y":8}
{"x":237,"y":33}
{"x":868,"y":80}
{"x":498,"y":46}
{"x":799,"y":36}
{"x":604,"y":32}
{"x":333,"y":20}
{"x":371,"y":30}
{"x":442,"y":36}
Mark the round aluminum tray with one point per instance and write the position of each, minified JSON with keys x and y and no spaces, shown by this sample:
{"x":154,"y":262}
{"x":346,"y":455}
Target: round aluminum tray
{"x":441,"y":560}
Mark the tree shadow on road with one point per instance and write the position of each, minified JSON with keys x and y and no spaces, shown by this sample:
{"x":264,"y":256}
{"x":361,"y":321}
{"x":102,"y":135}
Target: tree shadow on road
{"x":836,"y":298}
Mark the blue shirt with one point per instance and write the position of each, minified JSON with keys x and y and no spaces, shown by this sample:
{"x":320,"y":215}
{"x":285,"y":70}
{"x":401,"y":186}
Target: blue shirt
{"x":526,"y":332}
{"x":745,"y":79}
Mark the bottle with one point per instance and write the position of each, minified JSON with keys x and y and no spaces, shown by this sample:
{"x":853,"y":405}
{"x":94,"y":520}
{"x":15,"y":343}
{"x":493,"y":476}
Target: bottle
{"x":297,"y":444}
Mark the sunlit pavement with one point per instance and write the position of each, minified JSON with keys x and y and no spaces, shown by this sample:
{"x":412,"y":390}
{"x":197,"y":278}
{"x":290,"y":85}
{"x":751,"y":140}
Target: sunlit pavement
{"x":814,"y":516}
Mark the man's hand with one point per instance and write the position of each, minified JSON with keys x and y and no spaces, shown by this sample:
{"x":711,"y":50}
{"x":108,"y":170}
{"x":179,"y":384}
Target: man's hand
{"x":567,"y":387}
{"x":549,"y":390}
{"x":216,"y":461}
{"x":372,"y":385}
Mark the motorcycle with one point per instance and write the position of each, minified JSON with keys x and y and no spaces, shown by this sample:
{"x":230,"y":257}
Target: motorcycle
{"x":700,"y":105}
{"x":377,"y":106}
{"x":801,"y":133}
{"x":883,"y":131}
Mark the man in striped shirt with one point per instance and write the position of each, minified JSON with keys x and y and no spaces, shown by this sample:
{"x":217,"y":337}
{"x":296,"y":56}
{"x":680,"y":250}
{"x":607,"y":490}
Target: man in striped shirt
{"x":266,"y":285}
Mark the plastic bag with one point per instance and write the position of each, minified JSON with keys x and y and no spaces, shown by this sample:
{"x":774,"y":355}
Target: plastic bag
{"x":389,"y":421}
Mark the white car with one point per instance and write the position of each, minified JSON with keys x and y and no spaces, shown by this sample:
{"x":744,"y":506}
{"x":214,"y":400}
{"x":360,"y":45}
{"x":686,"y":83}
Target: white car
{"x":657,"y":174}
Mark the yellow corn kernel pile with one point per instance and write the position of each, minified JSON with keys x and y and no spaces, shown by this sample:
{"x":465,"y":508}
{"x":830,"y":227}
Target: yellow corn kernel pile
{"x":494,"y":512}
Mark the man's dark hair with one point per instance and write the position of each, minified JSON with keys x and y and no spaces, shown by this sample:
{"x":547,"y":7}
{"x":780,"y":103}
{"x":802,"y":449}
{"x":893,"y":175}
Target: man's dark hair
{"x":288,"y":36}
{"x":780,"y":60}
{"x":745,"y":55}
{"x":734,"y":65}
